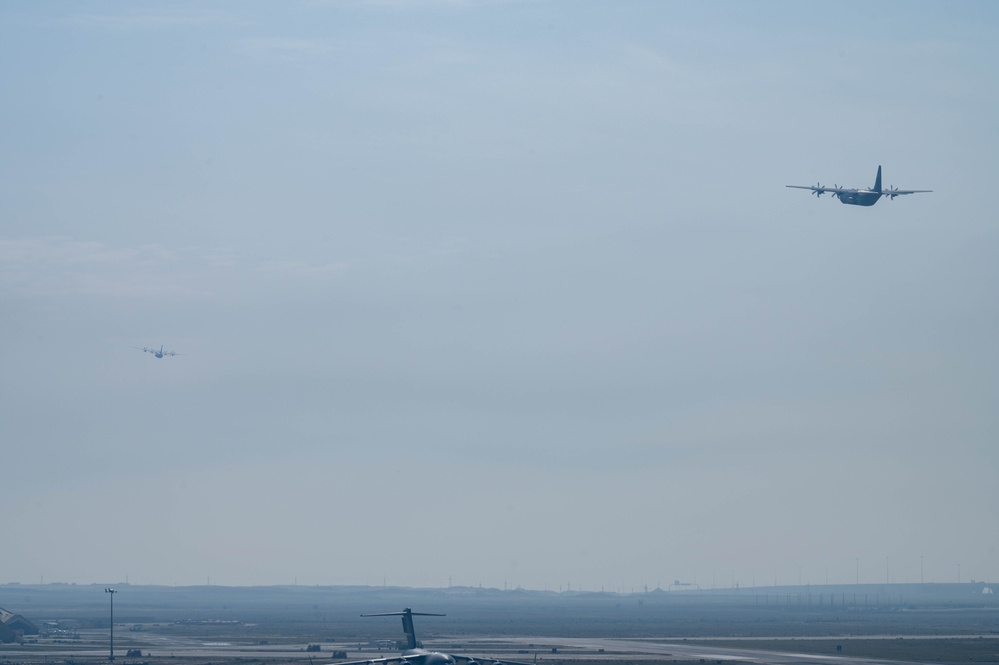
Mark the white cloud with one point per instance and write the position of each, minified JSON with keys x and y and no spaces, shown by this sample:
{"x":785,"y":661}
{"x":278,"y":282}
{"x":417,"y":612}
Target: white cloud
{"x":141,"y":21}
{"x":283,"y":49}
{"x":59,"y":266}
{"x":303,"y":270}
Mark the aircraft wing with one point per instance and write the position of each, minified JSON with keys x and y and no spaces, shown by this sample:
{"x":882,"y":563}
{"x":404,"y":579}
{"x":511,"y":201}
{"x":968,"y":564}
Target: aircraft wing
{"x":819,"y":189}
{"x":478,"y":660}
{"x":899,"y":192}
{"x":378,"y":661}
{"x":418,"y":660}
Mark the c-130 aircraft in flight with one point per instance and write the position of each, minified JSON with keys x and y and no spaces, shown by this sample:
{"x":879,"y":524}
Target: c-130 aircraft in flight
{"x":415,"y":654}
{"x":861,"y":197}
{"x":159,"y":353}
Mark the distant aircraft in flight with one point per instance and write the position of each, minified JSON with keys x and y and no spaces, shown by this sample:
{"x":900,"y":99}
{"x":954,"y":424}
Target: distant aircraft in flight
{"x":414,"y":654}
{"x":159,"y":353}
{"x":860,"y":197}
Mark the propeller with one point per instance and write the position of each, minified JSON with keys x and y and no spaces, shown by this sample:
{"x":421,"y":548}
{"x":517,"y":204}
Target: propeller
{"x":891,"y":192}
{"x":835,"y":195}
{"x":818,"y":190}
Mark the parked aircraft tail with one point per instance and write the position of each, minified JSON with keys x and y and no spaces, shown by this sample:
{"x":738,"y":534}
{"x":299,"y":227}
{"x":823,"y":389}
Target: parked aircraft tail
{"x":407,"y":627}
{"x":407,"y":624}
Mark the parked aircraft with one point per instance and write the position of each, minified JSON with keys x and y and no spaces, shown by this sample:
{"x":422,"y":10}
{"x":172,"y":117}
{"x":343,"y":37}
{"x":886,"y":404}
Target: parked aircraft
{"x":159,"y":353}
{"x":861,"y":197}
{"x":415,"y":654}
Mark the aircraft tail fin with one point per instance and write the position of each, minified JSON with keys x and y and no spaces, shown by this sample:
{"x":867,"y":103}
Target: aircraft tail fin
{"x":407,"y":624}
{"x":407,"y":627}
{"x":877,"y":181}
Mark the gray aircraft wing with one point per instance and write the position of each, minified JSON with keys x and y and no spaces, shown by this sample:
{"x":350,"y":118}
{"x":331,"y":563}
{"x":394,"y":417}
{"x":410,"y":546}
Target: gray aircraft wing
{"x":418,"y":659}
{"x":819,"y":190}
{"x":469,"y":660}
{"x":899,"y":192}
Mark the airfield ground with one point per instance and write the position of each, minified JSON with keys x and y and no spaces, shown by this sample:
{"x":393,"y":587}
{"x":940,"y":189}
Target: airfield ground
{"x":178,"y":649}
{"x":274,"y":626}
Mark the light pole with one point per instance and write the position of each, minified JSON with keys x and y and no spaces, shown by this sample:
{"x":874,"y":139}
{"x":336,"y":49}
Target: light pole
{"x":112,"y":592}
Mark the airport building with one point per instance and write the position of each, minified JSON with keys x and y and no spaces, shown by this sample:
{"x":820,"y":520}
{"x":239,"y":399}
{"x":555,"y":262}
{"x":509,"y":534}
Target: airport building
{"x":14,"y":626}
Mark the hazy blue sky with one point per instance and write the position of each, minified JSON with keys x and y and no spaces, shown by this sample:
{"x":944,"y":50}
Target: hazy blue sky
{"x":502,"y":293}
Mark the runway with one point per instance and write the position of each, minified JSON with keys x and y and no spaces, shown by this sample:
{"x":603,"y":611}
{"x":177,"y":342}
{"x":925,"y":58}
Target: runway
{"x":613,"y":649}
{"x":540,"y":650}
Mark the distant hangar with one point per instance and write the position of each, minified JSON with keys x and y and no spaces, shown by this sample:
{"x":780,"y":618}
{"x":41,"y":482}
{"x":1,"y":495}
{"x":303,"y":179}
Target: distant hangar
{"x":14,"y":626}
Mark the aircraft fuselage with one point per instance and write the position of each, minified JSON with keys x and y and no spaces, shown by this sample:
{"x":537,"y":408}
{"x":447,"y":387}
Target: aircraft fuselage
{"x":422,"y":657}
{"x":862,"y":197}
